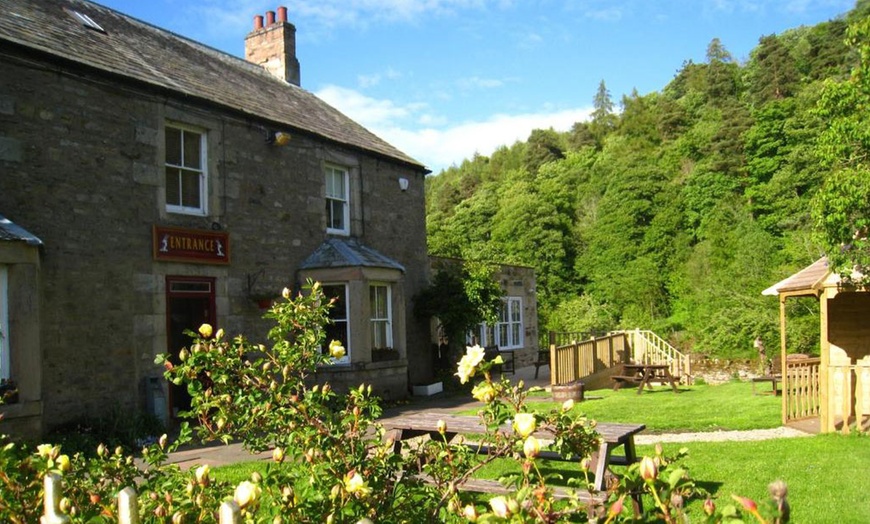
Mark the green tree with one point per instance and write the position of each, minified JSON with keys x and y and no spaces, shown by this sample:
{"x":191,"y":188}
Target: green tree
{"x":841,"y":209}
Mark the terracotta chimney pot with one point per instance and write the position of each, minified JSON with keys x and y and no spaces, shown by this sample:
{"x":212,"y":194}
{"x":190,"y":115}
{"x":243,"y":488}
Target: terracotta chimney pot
{"x":282,"y":14}
{"x":258,"y":22}
{"x":270,"y":17}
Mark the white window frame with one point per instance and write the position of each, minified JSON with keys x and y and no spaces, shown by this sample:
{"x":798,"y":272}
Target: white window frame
{"x":5,"y":349}
{"x":330,"y":172}
{"x":202,"y":210}
{"x":347,"y":345}
{"x":374,"y":320}
{"x":507,"y":333}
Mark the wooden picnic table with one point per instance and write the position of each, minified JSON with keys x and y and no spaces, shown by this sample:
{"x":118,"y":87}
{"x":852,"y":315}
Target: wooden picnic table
{"x":613,"y":436}
{"x":643,"y":374}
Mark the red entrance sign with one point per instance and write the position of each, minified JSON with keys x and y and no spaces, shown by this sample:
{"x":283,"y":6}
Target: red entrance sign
{"x":191,"y":245}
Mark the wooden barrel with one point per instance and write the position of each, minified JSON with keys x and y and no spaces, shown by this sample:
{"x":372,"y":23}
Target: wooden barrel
{"x":571,"y":390}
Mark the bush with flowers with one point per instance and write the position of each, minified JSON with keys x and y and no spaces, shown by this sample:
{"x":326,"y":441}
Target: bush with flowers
{"x":332,"y":462}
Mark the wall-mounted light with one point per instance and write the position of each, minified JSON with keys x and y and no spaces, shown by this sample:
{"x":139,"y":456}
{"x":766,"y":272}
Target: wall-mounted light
{"x":277,"y":138}
{"x":403,"y":184}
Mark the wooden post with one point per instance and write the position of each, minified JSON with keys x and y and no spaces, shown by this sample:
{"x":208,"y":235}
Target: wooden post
{"x":553,"y":364}
{"x":52,"y":501}
{"x":782,"y":351}
{"x":128,"y":506}
{"x":230,"y":513}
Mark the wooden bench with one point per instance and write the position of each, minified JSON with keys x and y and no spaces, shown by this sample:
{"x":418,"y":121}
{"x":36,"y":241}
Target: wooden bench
{"x":507,"y":366}
{"x":543,"y":360}
{"x":775,"y":376}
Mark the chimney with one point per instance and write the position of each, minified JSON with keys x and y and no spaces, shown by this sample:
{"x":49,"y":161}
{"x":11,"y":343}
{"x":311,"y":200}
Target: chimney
{"x":273,"y":46}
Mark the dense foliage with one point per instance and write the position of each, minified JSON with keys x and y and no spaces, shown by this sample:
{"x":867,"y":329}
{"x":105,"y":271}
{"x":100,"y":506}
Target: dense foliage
{"x":675,"y":210}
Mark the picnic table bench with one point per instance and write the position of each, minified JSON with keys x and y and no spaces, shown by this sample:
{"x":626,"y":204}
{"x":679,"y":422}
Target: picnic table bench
{"x":643,"y":375}
{"x":613,"y":436}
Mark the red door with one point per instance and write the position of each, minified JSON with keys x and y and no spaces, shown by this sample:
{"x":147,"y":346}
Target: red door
{"x":189,"y":304}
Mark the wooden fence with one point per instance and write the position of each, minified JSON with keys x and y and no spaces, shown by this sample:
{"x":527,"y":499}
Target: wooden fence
{"x":578,"y":359}
{"x":128,"y":506}
{"x":801,"y":394}
{"x":848,"y":398}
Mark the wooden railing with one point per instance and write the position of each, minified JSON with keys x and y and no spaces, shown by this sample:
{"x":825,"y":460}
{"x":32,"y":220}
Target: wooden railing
{"x":801,"y":393}
{"x":574,"y":359}
{"x":581,"y":358}
{"x":849,"y":390}
{"x":649,"y":348}
{"x":128,"y":506}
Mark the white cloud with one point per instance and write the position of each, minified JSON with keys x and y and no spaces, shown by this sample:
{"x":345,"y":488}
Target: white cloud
{"x":475,"y":82}
{"x":440,"y":146}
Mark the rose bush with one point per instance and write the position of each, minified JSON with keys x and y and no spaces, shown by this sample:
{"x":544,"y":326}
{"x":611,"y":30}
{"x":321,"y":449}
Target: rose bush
{"x":332,"y":462}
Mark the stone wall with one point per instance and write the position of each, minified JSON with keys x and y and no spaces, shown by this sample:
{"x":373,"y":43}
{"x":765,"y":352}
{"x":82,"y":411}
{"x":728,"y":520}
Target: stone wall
{"x":82,"y":157}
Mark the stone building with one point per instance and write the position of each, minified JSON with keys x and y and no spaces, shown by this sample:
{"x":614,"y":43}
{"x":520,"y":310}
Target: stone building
{"x":150,"y":183}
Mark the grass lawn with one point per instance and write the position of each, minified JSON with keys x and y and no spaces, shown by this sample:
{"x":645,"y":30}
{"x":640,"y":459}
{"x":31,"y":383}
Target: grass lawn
{"x":729,"y":406}
{"x":826,"y":474}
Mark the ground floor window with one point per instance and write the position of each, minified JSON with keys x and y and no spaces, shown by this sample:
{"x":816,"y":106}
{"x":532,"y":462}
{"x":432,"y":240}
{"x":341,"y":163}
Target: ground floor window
{"x":5,"y":360}
{"x":507,"y":333}
{"x":338,"y":328}
{"x":381,"y":316}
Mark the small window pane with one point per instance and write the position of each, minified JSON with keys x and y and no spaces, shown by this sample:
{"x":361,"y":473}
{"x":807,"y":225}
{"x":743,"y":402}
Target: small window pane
{"x":192,"y":155}
{"x":173,"y":146}
{"x":173,"y":188}
{"x":190,"y":189}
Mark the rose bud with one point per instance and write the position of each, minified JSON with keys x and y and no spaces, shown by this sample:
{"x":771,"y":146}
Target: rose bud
{"x":442,"y":427}
{"x":202,"y":475}
{"x":162,"y":441}
{"x":648,"y":469}
{"x":616,"y":507}
{"x":709,"y":507}
{"x":531,"y":447}
{"x":63,"y":463}
{"x":568,"y":405}
{"x":278,"y":455}
{"x":747,"y":503}
{"x":101,"y":450}
{"x":499,"y":506}
{"x":246,"y":493}
{"x":285,"y":293}
{"x":470,"y":513}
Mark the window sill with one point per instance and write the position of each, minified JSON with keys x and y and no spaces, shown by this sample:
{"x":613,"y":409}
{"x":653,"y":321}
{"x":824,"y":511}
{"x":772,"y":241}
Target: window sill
{"x":21,"y":409}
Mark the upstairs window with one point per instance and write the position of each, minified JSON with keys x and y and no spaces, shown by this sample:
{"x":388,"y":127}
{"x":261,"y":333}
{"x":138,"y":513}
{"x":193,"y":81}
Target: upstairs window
{"x":185,"y":170}
{"x":337,"y":201}
{"x":381,"y":319}
{"x":338,"y":327}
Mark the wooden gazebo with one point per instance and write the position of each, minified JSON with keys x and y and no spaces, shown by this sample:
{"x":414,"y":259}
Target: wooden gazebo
{"x":835,"y":387}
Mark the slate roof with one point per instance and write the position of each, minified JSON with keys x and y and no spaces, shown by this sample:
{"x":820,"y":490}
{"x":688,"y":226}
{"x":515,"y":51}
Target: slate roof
{"x":347,"y":252}
{"x":9,"y":231}
{"x":135,"y":50}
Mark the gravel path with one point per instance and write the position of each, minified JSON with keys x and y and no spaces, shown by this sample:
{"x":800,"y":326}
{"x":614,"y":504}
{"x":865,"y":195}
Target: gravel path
{"x":721,"y":436}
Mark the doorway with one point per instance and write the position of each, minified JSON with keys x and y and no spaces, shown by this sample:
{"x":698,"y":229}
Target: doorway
{"x":189,"y":304}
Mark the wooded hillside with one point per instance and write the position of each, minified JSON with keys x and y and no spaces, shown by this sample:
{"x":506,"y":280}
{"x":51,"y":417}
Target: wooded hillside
{"x":673,"y":210}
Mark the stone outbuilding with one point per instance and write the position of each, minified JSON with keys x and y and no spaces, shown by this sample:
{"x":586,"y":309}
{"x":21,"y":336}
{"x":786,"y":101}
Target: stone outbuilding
{"x":835,"y":388}
{"x":170,"y":184}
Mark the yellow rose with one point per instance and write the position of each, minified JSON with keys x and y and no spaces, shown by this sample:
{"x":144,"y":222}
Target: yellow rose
{"x":648,"y":469}
{"x":285,"y":293}
{"x":470,"y":513}
{"x":63,"y":463}
{"x":205,"y":330}
{"x":465,"y":371}
{"x":525,"y":424}
{"x":356,"y":485}
{"x":442,"y":427}
{"x":44,"y":450}
{"x":475,"y":354}
{"x":336,"y":350}
{"x":484,"y":392}
{"x":568,"y":405}
{"x":246,"y":493}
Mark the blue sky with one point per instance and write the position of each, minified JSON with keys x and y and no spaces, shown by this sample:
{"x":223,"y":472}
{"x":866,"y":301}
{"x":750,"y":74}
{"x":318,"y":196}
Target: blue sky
{"x":445,"y":79}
